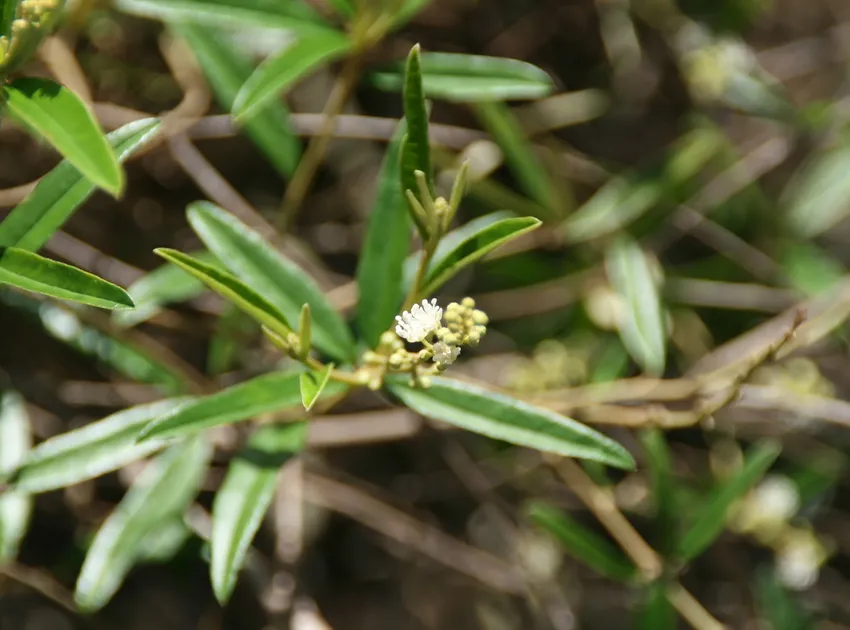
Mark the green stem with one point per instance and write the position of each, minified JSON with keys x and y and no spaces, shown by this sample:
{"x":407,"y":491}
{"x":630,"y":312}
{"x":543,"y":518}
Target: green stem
{"x":413,"y":294}
{"x":336,"y":375}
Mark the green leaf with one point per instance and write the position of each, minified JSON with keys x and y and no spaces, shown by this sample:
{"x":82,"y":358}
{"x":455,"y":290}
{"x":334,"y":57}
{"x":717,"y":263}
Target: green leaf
{"x":287,"y":15}
{"x":810,"y":268}
{"x":8,"y":11}
{"x":816,"y":198}
{"x":641,"y":326}
{"x":473,"y":78}
{"x":473,"y":248}
{"x":25,"y":270}
{"x":312,"y":384}
{"x":345,"y":8}
{"x":163,"y":542}
{"x":164,"y":285}
{"x":231,"y":288}
{"x":279,"y":72}
{"x":283,"y":283}
{"x":504,"y":418}
{"x":408,"y":10}
{"x":57,"y":114}
{"x":624,"y":199}
{"x":93,"y":450}
{"x":162,"y":492}
{"x":777,"y":606}
{"x":660,"y":468}
{"x":709,"y":522}
{"x":59,"y":193}
{"x":380,"y":271}
{"x":501,"y":123}
{"x":263,"y":394}
{"x":227,"y":69}
{"x":244,"y":498}
{"x":233,"y":332}
{"x":657,"y":613}
{"x":597,"y":552}
{"x":415,"y":147}
{"x":15,"y":443}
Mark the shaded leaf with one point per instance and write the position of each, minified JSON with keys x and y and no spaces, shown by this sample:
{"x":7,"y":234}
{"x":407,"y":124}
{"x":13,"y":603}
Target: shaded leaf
{"x":312,"y":384}
{"x":473,"y":78}
{"x":244,"y":497}
{"x":641,"y":325}
{"x":660,"y":468}
{"x":231,"y":288}
{"x":380,"y":270}
{"x":15,"y":443}
{"x":162,"y":492}
{"x":777,"y":606}
{"x":415,"y":146}
{"x":810,"y":268}
{"x":232,"y":333}
{"x":501,"y":123}
{"x":26,"y":270}
{"x":597,"y":552}
{"x":227,"y":69}
{"x":57,"y":114}
{"x":92,"y":450}
{"x":504,"y":418}
{"x":816,"y":198}
{"x":657,"y":613}
{"x":263,"y":394}
{"x":473,"y":248}
{"x":282,"y":283}
{"x":59,"y":193}
{"x":279,"y":72}
{"x":709,"y":522}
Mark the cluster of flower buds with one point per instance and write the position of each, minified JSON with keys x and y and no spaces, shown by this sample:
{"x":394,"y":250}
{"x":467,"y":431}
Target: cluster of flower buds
{"x":423,"y":323}
{"x":34,"y":19}
{"x":434,"y":217}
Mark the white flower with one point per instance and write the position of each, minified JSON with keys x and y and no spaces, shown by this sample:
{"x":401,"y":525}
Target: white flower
{"x":798,"y":568}
{"x":776,"y":498}
{"x":419,"y":322}
{"x":444,"y":353}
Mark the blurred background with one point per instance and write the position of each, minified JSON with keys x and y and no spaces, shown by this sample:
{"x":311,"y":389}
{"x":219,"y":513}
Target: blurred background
{"x":713,"y":132}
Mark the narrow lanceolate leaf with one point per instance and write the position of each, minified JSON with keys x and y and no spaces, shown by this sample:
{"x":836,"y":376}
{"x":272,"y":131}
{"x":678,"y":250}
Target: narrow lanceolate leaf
{"x":161,"y":493}
{"x":279,"y":72}
{"x":167,"y":284}
{"x":231,"y":288}
{"x":31,"y":272}
{"x":282,"y":283}
{"x":656,"y":613}
{"x":244,"y":497}
{"x":57,"y":114}
{"x":501,"y":123}
{"x":264,"y":394}
{"x":473,"y":78}
{"x":380,"y":271}
{"x":473,"y":248}
{"x":504,"y":418}
{"x":59,"y":193}
{"x":598,"y":553}
{"x":415,"y":148}
{"x":709,"y":522}
{"x":312,"y":384}
{"x":296,"y":16}
{"x":92,"y":450}
{"x":641,"y":324}
{"x":15,"y":442}
{"x":661,"y":479}
{"x":777,"y":606}
{"x":226,"y":69}
{"x":816,"y":198}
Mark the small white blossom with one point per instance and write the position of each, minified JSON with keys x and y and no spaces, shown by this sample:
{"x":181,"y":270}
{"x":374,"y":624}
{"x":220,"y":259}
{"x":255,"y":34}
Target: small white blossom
{"x":776,"y":498}
{"x":444,"y":353}
{"x":798,"y":567}
{"x":420,"y":321}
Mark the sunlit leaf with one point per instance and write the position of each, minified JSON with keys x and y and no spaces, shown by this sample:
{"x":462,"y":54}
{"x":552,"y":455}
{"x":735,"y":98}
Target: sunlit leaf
{"x":816,"y":198}
{"x":244,"y":497}
{"x":231,"y":288}
{"x":415,"y":146}
{"x":598,"y":553}
{"x":471,"y":78}
{"x":59,"y":193}
{"x":312,"y":384}
{"x":380,"y":289}
{"x":281,"y":282}
{"x":709,"y":522}
{"x":57,"y":114}
{"x":504,"y":418}
{"x":31,"y":272}
{"x":92,"y":450}
{"x":161,"y":493}
{"x":279,"y":72}
{"x":15,"y":443}
{"x":264,"y":394}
